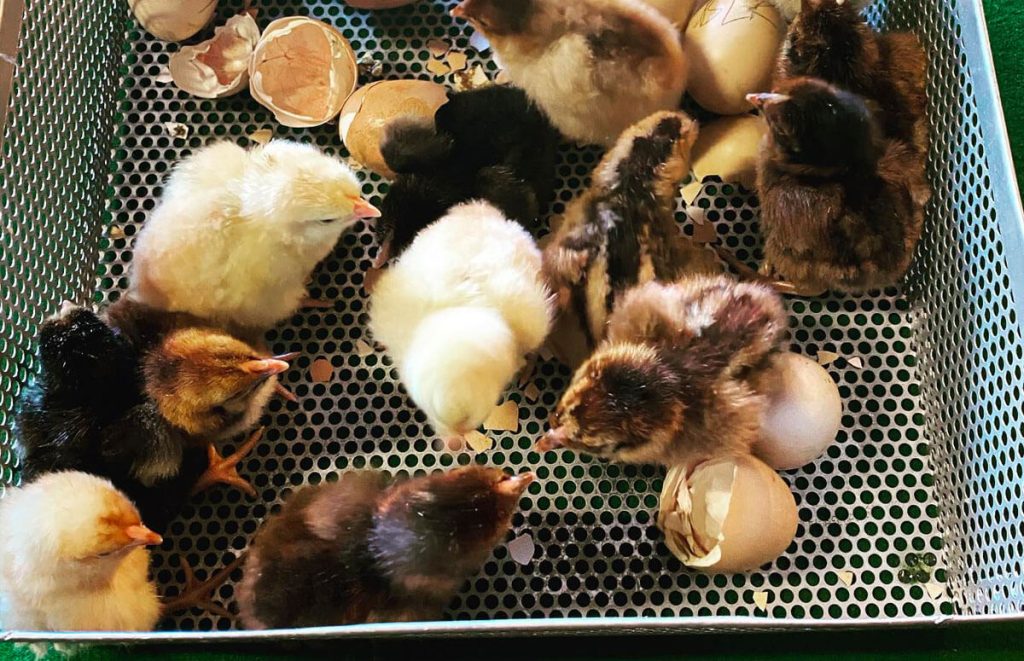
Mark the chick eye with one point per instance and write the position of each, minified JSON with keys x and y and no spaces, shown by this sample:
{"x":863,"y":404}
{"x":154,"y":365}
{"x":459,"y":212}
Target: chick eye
{"x":327,"y":221}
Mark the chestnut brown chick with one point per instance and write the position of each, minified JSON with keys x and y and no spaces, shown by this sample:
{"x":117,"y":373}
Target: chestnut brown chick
{"x":679,"y":377}
{"x":595,"y":67}
{"x":830,"y":40}
{"x":622,"y":231}
{"x":360,"y":551}
{"x":842,"y":206}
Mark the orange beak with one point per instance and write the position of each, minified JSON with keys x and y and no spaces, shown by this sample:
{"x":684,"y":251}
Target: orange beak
{"x":458,"y":11}
{"x":513,"y":486}
{"x":265,"y":366}
{"x":554,"y":439}
{"x":759,"y":101}
{"x":362,"y":209}
{"x":142,"y":536}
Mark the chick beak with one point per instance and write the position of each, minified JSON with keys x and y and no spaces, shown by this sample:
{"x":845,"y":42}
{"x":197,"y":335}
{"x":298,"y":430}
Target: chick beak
{"x":265,"y":367}
{"x":515,"y":485}
{"x":458,"y":11}
{"x":140,"y":535}
{"x":759,"y":101}
{"x":288,"y":357}
{"x":361,"y":209}
{"x":554,"y":439}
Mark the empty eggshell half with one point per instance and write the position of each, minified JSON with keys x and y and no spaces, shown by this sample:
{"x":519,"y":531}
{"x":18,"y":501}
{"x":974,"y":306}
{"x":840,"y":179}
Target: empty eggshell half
{"x":731,"y":46}
{"x":302,"y":70}
{"x":803,"y":415}
{"x":730,"y":514}
{"x":219,"y":66}
{"x":369,"y":110}
{"x":173,"y":20}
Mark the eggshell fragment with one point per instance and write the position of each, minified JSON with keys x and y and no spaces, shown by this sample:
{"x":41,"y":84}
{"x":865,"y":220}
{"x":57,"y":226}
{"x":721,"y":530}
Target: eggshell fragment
{"x":173,"y":20}
{"x":369,"y":110}
{"x":302,"y":70}
{"x":677,"y":11}
{"x":503,"y":418}
{"x":803,"y":415}
{"x":219,"y":66}
{"x":727,"y":148}
{"x":478,"y":441}
{"x":731,"y":46}
{"x":731,"y":514}
{"x":521,"y":549}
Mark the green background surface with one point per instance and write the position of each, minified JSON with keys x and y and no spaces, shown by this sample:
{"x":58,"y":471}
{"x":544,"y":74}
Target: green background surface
{"x":990,"y":641}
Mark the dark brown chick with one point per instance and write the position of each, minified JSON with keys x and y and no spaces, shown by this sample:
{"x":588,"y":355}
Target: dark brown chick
{"x":359,"y":551}
{"x":678,"y":378}
{"x":622,"y":231}
{"x":830,"y":40}
{"x":842,"y":207}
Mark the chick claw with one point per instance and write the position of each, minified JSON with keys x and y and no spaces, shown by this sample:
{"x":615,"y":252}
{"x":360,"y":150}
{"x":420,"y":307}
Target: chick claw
{"x":200,"y":595}
{"x":747,"y":273}
{"x":286,"y":394}
{"x":224,"y":470}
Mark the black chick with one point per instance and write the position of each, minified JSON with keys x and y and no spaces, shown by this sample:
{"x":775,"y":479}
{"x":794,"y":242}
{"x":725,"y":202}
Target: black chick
{"x":461,"y":156}
{"x":114,"y":404}
{"x":359,"y":551}
{"x":842,"y":207}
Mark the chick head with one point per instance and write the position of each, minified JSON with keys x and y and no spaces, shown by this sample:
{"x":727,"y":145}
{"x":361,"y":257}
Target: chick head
{"x":435,"y":524}
{"x":458,"y":365}
{"x":74,"y":520}
{"x":822,"y":23}
{"x":296,"y":188}
{"x":623,"y":403}
{"x":496,"y":17}
{"x":815,"y":124}
{"x":209,"y":383}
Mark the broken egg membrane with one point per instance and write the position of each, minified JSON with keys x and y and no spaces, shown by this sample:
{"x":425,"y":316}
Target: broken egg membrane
{"x":730,"y":514}
{"x":372,"y":107}
{"x":219,"y":66}
{"x":173,"y":20}
{"x":302,"y":70}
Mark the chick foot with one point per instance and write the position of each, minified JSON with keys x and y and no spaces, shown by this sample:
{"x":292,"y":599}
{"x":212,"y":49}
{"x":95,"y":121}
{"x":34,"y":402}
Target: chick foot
{"x":224,"y":470}
{"x":200,"y":595}
{"x":286,"y":394}
{"x":750,"y":275}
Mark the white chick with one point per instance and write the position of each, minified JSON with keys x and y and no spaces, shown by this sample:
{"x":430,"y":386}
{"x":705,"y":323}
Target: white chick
{"x":790,"y":8}
{"x":72,"y":558}
{"x":238,"y":232}
{"x":595,"y":67}
{"x":459,"y":311}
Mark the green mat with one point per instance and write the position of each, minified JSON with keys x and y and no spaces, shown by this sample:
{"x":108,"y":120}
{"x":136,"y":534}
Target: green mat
{"x":1006,"y":31}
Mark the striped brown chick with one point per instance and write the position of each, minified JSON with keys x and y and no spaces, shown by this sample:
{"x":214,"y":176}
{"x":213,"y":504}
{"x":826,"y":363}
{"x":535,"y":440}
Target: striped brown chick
{"x":679,"y":377}
{"x":622,"y":231}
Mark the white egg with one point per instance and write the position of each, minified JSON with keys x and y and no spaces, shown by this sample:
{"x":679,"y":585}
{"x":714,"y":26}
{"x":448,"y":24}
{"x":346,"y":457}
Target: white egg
{"x":731,"y":514}
{"x":803,"y":415}
{"x":727,"y":148}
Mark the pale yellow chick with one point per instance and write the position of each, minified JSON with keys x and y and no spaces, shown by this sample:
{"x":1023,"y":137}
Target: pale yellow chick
{"x":72,"y":558}
{"x":237,"y":233}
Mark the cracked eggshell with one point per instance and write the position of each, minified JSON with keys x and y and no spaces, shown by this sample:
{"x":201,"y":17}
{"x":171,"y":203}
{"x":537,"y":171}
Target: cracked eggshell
{"x":731,"y":514}
{"x":803,"y":415}
{"x":173,"y":20}
{"x":219,"y":66}
{"x":731,"y":46}
{"x":728,"y":148}
{"x":302,"y":70}
{"x":369,"y":110}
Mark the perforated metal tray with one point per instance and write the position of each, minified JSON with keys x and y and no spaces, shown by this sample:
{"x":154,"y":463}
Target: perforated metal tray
{"x":929,"y":460}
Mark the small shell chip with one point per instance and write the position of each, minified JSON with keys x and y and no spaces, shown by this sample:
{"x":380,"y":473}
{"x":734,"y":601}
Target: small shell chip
{"x":503,"y":418}
{"x":761,"y":600}
{"x":457,"y":60}
{"x":846,"y":577}
{"x":321,"y":370}
{"x":177,"y":130}
{"x":364,"y":349}
{"x":521,"y":549}
{"x":438,"y":68}
{"x":856,"y":362}
{"x":116,"y":232}
{"x":532,"y":393}
{"x":935,"y":590}
{"x":527,"y":371}
{"x":261,"y":136}
{"x":164,"y":77}
{"x":438,"y":47}
{"x":478,"y":441}
{"x":827,"y":358}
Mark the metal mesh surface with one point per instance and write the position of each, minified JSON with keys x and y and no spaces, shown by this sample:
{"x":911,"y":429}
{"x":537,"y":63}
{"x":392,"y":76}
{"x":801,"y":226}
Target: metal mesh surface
{"x":866,"y":508}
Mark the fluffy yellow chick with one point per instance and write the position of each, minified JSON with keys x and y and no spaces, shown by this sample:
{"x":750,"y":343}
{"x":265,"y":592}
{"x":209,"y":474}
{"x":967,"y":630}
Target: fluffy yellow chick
{"x":459,"y":311}
{"x":72,"y":558}
{"x":238,"y":232}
